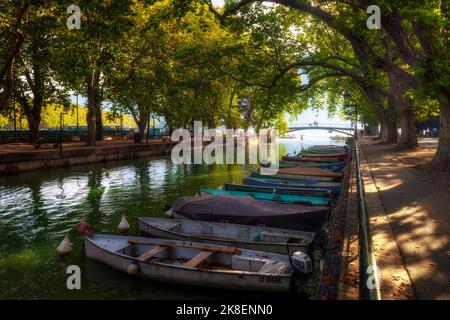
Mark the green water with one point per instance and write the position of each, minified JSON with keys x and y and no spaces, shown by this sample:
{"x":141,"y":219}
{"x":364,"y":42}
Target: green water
{"x":38,"y":208}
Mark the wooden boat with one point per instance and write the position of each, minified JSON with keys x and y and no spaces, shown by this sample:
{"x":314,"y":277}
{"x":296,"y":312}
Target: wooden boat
{"x":227,"y":234}
{"x":198,"y":264}
{"x":325,"y":156}
{"x":333,"y":187}
{"x":246,"y":210}
{"x":335,"y":166}
{"x":294,"y":177}
{"x":315,"y":172}
{"x":310,"y":159}
{"x":327,"y":149}
{"x":279,"y":198}
{"x":289,"y":191}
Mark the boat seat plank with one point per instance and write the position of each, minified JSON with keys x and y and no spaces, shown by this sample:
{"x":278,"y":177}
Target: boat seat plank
{"x":148,"y":254}
{"x":199,"y":258}
{"x":273,"y":267}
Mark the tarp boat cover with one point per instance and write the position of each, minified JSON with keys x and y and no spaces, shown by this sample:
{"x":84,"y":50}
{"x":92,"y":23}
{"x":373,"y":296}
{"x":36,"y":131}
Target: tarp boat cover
{"x":246,"y":210}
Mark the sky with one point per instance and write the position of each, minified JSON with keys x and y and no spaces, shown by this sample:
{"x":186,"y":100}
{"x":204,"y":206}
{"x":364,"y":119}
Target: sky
{"x":218,"y":3}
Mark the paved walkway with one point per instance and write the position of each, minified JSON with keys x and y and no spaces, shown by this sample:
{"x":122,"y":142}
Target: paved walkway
{"x":416,"y":206}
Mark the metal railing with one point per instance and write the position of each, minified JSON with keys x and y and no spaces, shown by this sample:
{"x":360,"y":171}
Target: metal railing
{"x":369,"y":277}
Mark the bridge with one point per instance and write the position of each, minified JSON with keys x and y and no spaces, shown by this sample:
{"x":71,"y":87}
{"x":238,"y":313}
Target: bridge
{"x":340,"y":129}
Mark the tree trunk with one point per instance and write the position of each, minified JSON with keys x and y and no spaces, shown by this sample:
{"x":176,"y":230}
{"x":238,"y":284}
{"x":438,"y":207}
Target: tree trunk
{"x":391,"y":132}
{"x":5,"y":96}
{"x":15,"y":43}
{"x":391,"y":123}
{"x":373,"y":129}
{"x":376,"y":102}
{"x":408,"y":137}
{"x":398,"y":100}
{"x":33,"y":126}
{"x":98,"y":107}
{"x":142,"y":125}
{"x":98,"y":122}
{"x":37,"y":85}
{"x":90,"y":115}
{"x":442,"y":158}
{"x":211,"y":121}
{"x":141,"y":120}
{"x":383,"y":130}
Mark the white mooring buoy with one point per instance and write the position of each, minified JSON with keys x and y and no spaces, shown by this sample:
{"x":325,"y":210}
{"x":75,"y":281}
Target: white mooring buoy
{"x":123,"y":225}
{"x":65,"y":247}
{"x":132,"y":268}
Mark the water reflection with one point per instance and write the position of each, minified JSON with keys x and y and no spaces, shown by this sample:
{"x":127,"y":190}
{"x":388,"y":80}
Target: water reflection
{"x":38,"y":208}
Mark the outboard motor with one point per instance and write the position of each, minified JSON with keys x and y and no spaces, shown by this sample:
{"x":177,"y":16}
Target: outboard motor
{"x":302,"y":265}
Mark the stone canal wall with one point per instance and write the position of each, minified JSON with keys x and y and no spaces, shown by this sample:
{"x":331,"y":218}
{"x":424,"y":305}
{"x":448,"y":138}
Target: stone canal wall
{"x":16,"y":162}
{"x":329,"y":283}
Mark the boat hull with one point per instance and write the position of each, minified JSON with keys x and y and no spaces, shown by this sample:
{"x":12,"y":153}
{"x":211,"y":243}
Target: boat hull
{"x":289,"y":191}
{"x":338,"y":166}
{"x":310,"y":171}
{"x":278,"y":198}
{"x":188,"y":276}
{"x":295,"y":185}
{"x":325,"y":155}
{"x":310,"y":159}
{"x":293,"y":177}
{"x":146,"y":229}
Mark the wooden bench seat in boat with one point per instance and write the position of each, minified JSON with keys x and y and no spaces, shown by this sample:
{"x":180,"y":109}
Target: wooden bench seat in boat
{"x":152,"y":252}
{"x":273,"y":267}
{"x":199,"y":258}
{"x":248,"y":263}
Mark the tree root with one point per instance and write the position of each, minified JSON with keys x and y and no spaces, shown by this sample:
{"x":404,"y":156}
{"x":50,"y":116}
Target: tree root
{"x":438,"y":164}
{"x":384,"y":141}
{"x":407,"y":147}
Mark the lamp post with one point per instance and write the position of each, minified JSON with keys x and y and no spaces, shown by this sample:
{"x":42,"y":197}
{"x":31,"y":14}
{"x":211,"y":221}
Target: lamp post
{"x":61,"y":129}
{"x":121,"y":125}
{"x":15,"y":120}
{"x":148,"y":128}
{"x":154,"y":126}
{"x":77,"y":114}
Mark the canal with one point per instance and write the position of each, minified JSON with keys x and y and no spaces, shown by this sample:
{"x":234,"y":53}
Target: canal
{"x":38,"y":208}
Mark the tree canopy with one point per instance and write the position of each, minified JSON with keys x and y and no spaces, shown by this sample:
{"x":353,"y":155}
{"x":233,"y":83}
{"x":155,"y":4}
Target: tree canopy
{"x":247,"y":64}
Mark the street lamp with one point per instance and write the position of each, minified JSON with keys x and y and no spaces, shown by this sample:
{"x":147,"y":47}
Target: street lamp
{"x":61,"y":129}
{"x":148,"y":128}
{"x":77,"y":115}
{"x":121,"y":125}
{"x":15,"y":119}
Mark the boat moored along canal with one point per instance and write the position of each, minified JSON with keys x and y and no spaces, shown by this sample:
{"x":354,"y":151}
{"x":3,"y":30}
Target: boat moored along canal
{"x":257,"y":236}
{"x":228,"y":234}
{"x":198,"y":264}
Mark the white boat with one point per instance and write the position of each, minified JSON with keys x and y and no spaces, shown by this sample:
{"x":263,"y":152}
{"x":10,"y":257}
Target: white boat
{"x":228,"y":234}
{"x":198,"y":264}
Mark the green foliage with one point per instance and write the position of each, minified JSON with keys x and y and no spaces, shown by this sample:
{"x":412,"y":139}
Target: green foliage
{"x":51,"y":117}
{"x":175,"y":59}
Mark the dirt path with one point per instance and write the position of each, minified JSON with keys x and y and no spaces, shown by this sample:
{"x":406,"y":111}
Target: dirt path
{"x":418,"y":209}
